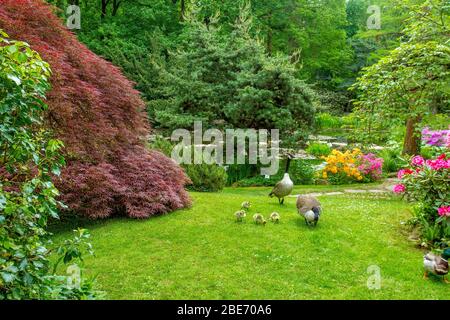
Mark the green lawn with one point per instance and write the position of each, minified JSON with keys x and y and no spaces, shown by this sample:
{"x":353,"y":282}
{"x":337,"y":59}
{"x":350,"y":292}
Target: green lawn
{"x":202,"y":253}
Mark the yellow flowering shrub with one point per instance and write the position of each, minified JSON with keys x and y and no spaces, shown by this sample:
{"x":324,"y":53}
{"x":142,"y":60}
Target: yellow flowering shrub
{"x":342,"y":167}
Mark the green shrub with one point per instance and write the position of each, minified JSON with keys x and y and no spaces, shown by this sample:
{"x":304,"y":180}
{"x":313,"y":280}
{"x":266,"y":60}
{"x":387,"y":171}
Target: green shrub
{"x":206,"y":177}
{"x":239,"y":172}
{"x":428,"y":152}
{"x":392,"y":158}
{"x":258,"y":181}
{"x":328,"y":121}
{"x":29,"y":159}
{"x":318,"y":149}
{"x":162,"y":145}
{"x":301,"y":172}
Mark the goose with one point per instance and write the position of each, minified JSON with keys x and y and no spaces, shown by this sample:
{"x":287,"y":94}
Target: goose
{"x":309,"y":208}
{"x":240,"y":215}
{"x":284,"y":187}
{"x":246,"y":205}
{"x":274,"y":217}
{"x":437,"y":265}
{"x":259,"y":219}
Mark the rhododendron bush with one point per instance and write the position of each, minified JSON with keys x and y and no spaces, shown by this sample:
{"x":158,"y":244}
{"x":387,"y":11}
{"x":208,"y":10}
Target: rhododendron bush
{"x":352,"y":166}
{"x":100,"y":118}
{"x":428,"y":183}
{"x":437,"y":138}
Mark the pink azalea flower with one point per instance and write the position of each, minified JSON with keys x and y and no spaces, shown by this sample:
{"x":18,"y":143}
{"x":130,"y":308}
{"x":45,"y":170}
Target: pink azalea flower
{"x":418,"y":161}
{"x":399,"y":188}
{"x":444,"y":211}
{"x":438,"y":164}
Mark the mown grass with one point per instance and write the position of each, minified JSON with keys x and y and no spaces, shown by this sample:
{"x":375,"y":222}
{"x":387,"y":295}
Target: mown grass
{"x":202,"y":253}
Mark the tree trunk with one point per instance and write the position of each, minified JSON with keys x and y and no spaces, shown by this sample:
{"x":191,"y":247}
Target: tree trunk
{"x":116,"y":5}
{"x":104,"y":7}
{"x":182,"y":9}
{"x":411,"y":145}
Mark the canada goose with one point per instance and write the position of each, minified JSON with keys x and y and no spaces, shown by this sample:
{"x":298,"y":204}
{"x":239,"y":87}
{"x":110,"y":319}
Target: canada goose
{"x":240,"y":215}
{"x":259,"y":219}
{"x":246,"y":205}
{"x":309,"y":208}
{"x":284,"y":187}
{"x":275,"y":217}
{"x":437,"y":265}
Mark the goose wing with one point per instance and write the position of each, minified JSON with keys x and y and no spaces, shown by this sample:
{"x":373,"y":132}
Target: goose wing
{"x":441,"y":267}
{"x":276,"y":190}
{"x":307,"y":203}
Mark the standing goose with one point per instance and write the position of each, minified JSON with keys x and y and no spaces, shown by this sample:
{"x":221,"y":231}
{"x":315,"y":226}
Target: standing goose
{"x":309,"y":208}
{"x":284,"y":187}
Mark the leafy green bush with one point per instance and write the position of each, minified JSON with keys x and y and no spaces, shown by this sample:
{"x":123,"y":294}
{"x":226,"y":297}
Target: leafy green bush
{"x":206,"y":177}
{"x":301,"y":172}
{"x":240,"y":172}
{"x":391,"y":155}
{"x":162,"y":145}
{"x":318,"y":149}
{"x":427,"y":183}
{"x":29,"y":159}
{"x":258,"y":181}
{"x":427,"y":152}
{"x":325,"y":120}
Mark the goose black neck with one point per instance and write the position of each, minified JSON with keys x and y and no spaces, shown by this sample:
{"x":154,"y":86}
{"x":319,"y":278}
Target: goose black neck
{"x":288,"y":163}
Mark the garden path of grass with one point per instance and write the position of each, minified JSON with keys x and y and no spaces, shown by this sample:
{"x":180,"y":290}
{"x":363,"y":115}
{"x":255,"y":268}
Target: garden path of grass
{"x":202,"y":253}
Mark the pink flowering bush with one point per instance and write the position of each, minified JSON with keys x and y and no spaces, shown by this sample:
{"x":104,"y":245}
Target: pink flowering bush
{"x":428,"y":183}
{"x":437,"y":138}
{"x":417,"y":161}
{"x":444,"y":211}
{"x":399,"y":188}
{"x":371,"y":167}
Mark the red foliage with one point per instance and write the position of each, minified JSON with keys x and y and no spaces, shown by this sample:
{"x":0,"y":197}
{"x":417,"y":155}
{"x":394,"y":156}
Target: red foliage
{"x":94,"y":109}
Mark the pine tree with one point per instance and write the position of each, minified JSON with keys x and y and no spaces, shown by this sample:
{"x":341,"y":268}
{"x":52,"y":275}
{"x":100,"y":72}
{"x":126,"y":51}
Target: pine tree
{"x":229,"y":80}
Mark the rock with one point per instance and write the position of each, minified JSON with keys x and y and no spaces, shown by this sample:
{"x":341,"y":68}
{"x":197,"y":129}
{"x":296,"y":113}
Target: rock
{"x":355,"y":191}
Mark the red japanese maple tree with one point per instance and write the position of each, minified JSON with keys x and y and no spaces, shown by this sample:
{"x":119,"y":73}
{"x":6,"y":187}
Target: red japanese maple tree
{"x":101,"y":119}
